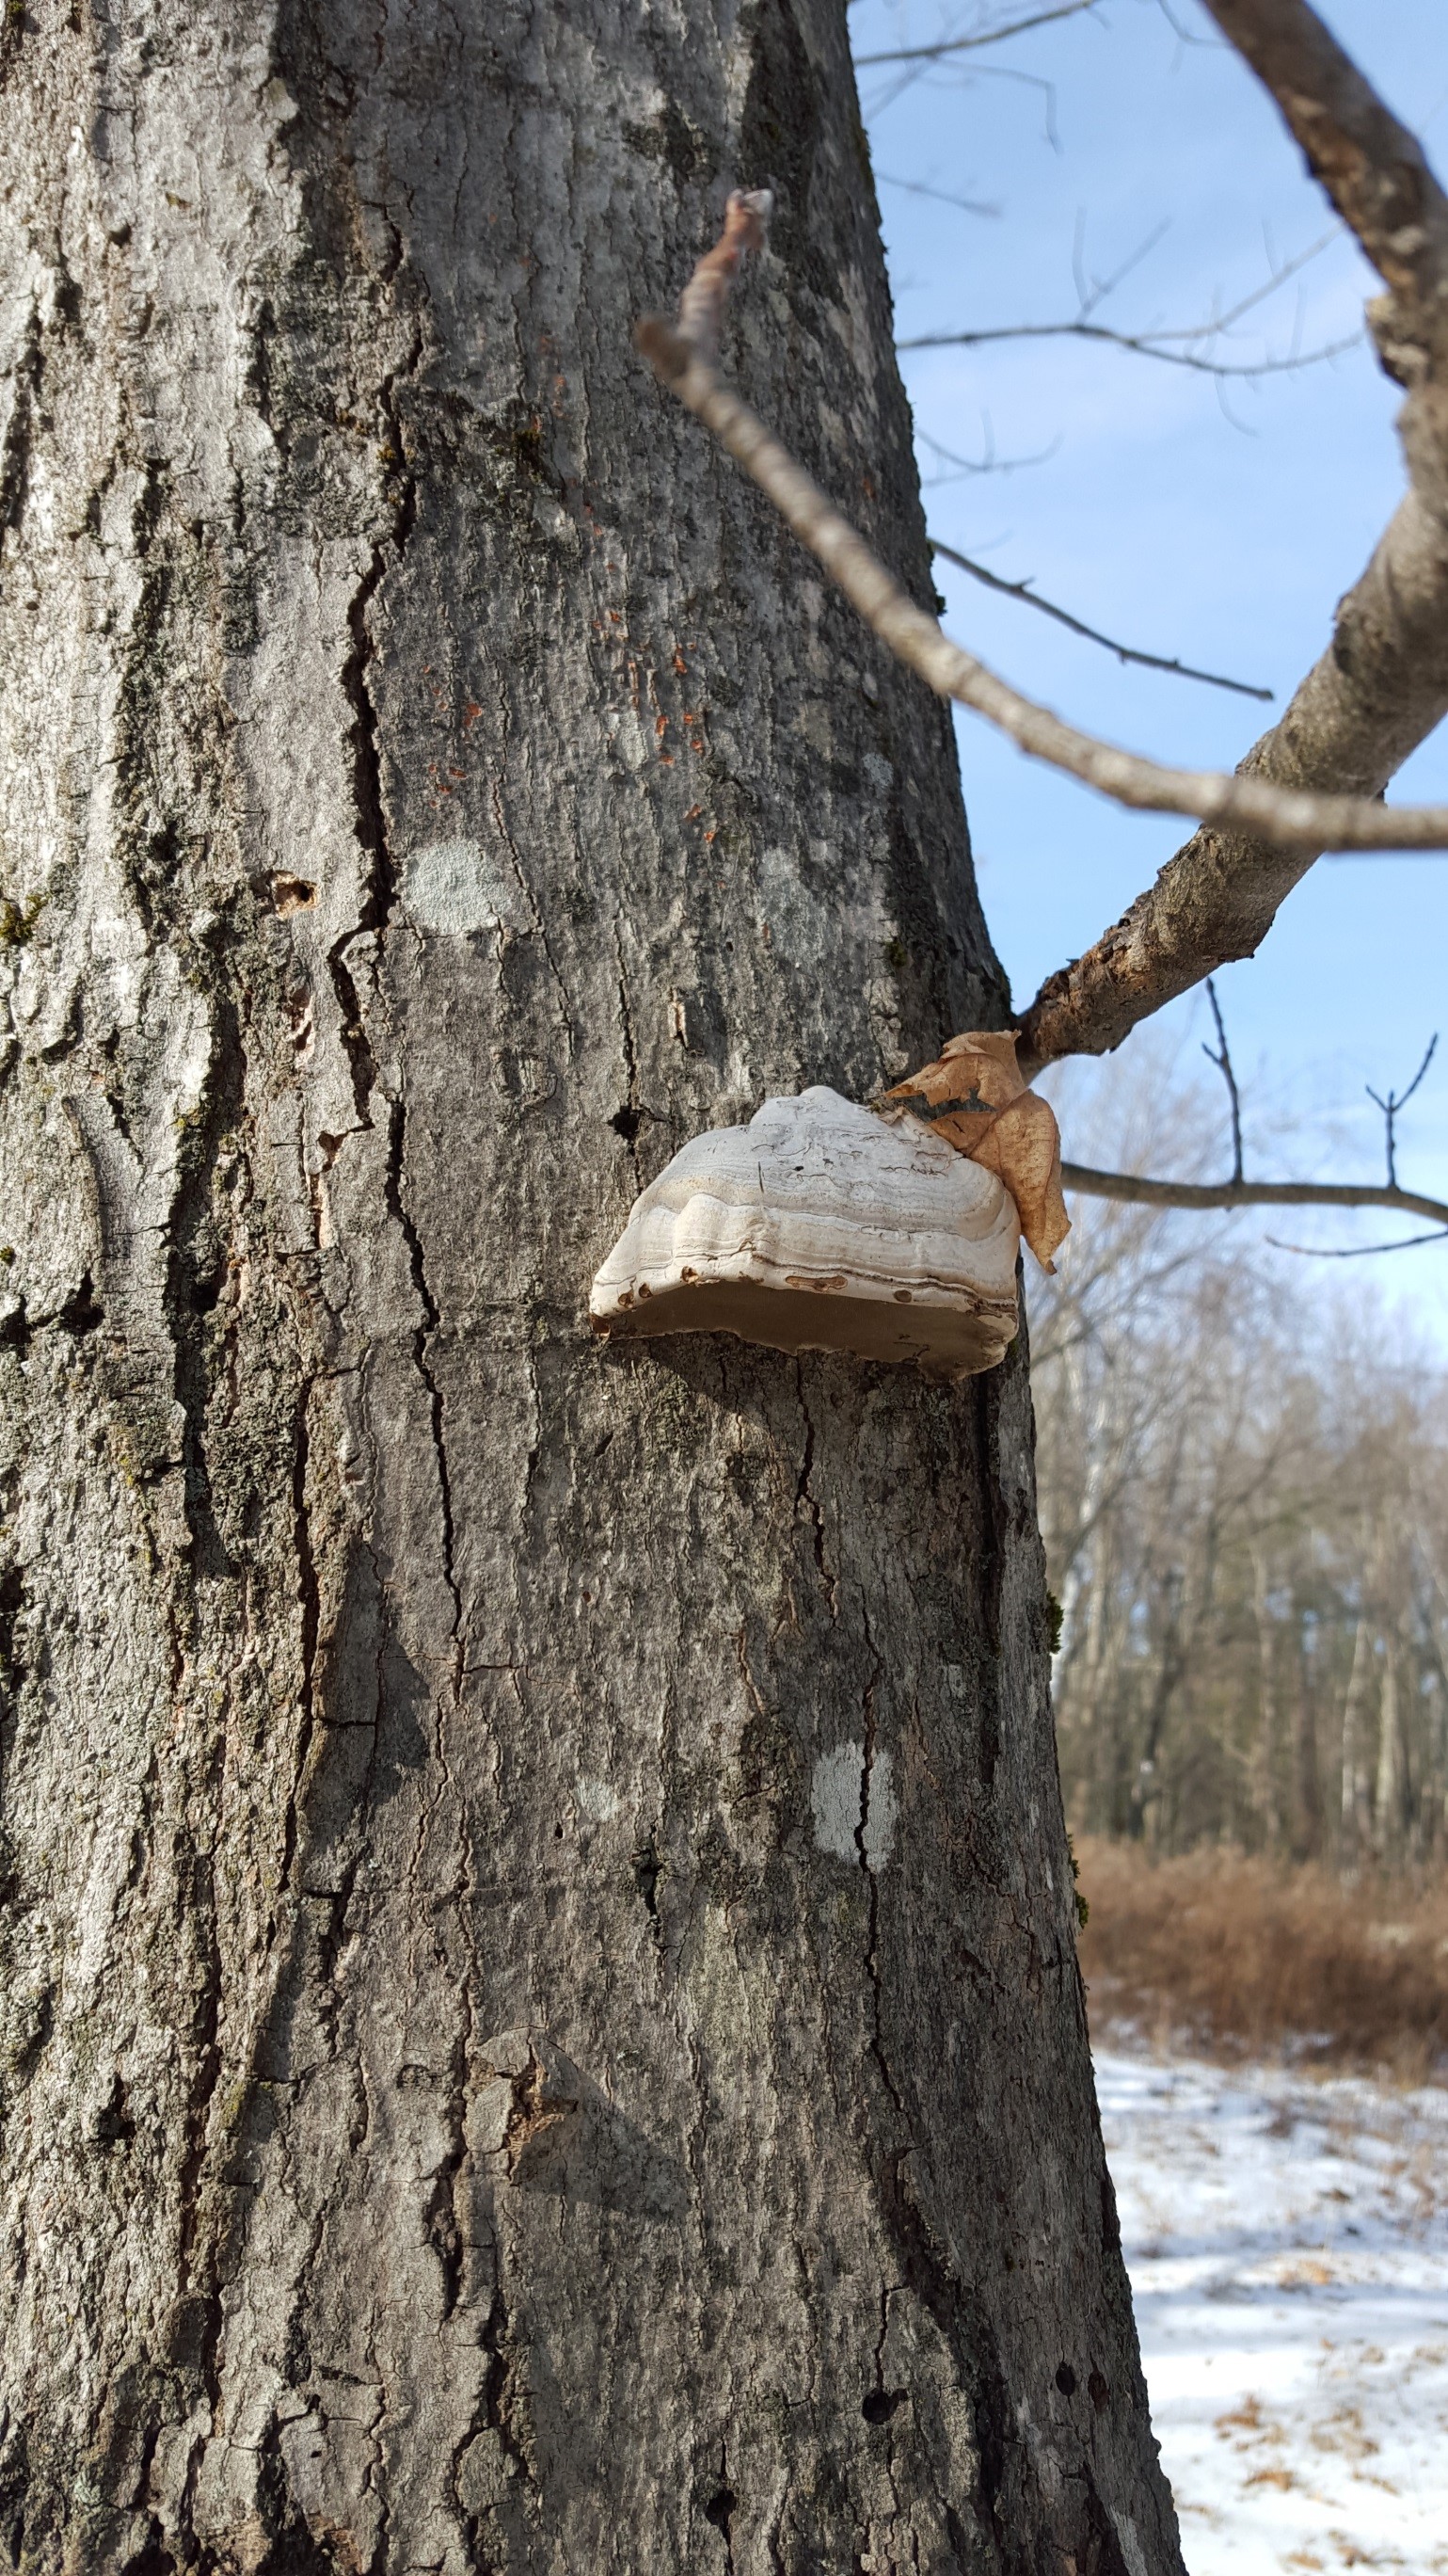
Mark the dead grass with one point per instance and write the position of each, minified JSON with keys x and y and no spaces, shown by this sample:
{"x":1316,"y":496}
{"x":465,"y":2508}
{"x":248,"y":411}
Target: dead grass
{"x":1238,"y":1957}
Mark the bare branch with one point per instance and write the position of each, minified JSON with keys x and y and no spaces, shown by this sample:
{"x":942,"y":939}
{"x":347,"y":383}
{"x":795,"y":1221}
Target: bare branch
{"x":1141,"y":344}
{"x":972,"y":44}
{"x":1356,"y":1251}
{"x":1024,"y":590}
{"x":1285,"y":815}
{"x":1137,"y":1191}
{"x":1223,"y":1063}
{"x":1393,"y":1104}
{"x":1382,"y":686}
{"x":990,"y":463}
{"x":942,"y":196}
{"x":1161,"y":344}
{"x":1373,"y":169}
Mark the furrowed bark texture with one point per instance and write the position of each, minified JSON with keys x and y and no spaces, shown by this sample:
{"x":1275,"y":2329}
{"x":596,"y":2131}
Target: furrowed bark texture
{"x":540,"y":2020}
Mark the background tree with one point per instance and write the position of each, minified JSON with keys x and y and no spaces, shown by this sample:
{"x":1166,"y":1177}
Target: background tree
{"x":1242,"y":1491}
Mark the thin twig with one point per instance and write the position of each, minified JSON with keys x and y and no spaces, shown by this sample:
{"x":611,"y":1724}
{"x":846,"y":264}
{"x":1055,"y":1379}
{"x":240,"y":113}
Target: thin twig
{"x":1393,"y":1104}
{"x":942,"y":196}
{"x":1024,"y":590}
{"x":1223,"y":1063}
{"x":1161,"y":343}
{"x":972,"y":44}
{"x":1355,"y":1251}
{"x":1290,"y":817}
{"x":1141,"y":344}
{"x":990,"y":463}
{"x":1137,"y":1191}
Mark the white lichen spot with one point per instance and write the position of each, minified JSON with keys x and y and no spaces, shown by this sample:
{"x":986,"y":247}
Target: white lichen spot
{"x":835,"y":1799}
{"x":455,"y":886}
{"x":881,"y":1813}
{"x":626,"y":733}
{"x":841,"y":1795}
{"x":596,"y":1800}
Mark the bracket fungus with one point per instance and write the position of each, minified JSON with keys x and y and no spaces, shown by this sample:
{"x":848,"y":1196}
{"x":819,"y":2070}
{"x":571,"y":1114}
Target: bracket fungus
{"x":826,"y":1226}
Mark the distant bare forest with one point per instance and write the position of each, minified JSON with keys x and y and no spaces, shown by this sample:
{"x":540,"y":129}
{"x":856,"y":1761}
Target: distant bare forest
{"x":1244,"y":1491}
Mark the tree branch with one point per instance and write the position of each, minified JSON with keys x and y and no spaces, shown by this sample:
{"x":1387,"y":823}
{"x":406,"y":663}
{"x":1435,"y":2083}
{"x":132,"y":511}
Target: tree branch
{"x":1394,"y":1103}
{"x":1374,"y":170}
{"x":1137,"y":1191}
{"x":1357,"y":1251}
{"x":1382,"y":685}
{"x":1284,"y":814}
{"x":1159,"y":344}
{"x":1142,"y":344}
{"x":972,"y":44}
{"x":1223,"y":1062}
{"x":1023,"y":590}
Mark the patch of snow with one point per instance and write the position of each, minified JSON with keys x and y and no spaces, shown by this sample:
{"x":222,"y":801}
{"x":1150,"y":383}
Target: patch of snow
{"x":1287,"y":2240}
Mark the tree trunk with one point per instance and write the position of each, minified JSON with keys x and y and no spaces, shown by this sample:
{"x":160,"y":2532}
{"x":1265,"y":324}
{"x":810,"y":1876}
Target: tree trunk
{"x":1356,"y":1827}
{"x":1268,"y":1751}
{"x":1390,"y":1804}
{"x":1307,"y":1776}
{"x":541,"y":2020}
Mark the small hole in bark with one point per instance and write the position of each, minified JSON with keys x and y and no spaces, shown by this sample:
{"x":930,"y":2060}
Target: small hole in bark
{"x":1066,"y":2380}
{"x":648,"y":1870}
{"x":880,"y":2404}
{"x":81,"y":1314}
{"x":720,"y":2507}
{"x":114,"y":2126}
{"x":292,"y":894}
{"x":626,"y":1123}
{"x":1099,"y":2390}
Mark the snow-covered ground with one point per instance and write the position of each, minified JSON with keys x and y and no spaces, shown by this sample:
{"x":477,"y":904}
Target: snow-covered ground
{"x":1288,"y":2246}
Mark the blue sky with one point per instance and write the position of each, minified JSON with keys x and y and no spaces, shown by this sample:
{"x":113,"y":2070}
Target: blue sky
{"x":1217,"y":524}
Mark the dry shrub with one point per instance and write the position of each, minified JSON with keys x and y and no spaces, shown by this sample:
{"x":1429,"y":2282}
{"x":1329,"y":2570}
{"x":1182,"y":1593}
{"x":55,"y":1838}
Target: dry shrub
{"x":1238,"y":1957}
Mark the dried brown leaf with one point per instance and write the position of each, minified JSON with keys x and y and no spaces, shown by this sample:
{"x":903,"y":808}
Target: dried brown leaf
{"x":974,"y":1096}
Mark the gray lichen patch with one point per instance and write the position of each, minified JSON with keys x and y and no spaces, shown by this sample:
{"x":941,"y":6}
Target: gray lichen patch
{"x":854,"y":1805}
{"x":454,"y":886}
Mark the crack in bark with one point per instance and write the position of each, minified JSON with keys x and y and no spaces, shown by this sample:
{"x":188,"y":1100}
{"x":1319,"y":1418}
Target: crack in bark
{"x":379,"y":890}
{"x":398,"y":1209}
{"x":969,"y":2338}
{"x":721,"y":2508}
{"x":500,"y":2397}
{"x":925,"y":2271}
{"x":15,"y":453}
{"x":311,"y":1606}
{"x":804,"y":1493}
{"x":627,"y":1120}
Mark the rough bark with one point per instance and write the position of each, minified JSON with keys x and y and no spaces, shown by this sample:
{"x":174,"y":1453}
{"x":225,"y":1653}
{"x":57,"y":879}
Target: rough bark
{"x":541,"y":2028}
